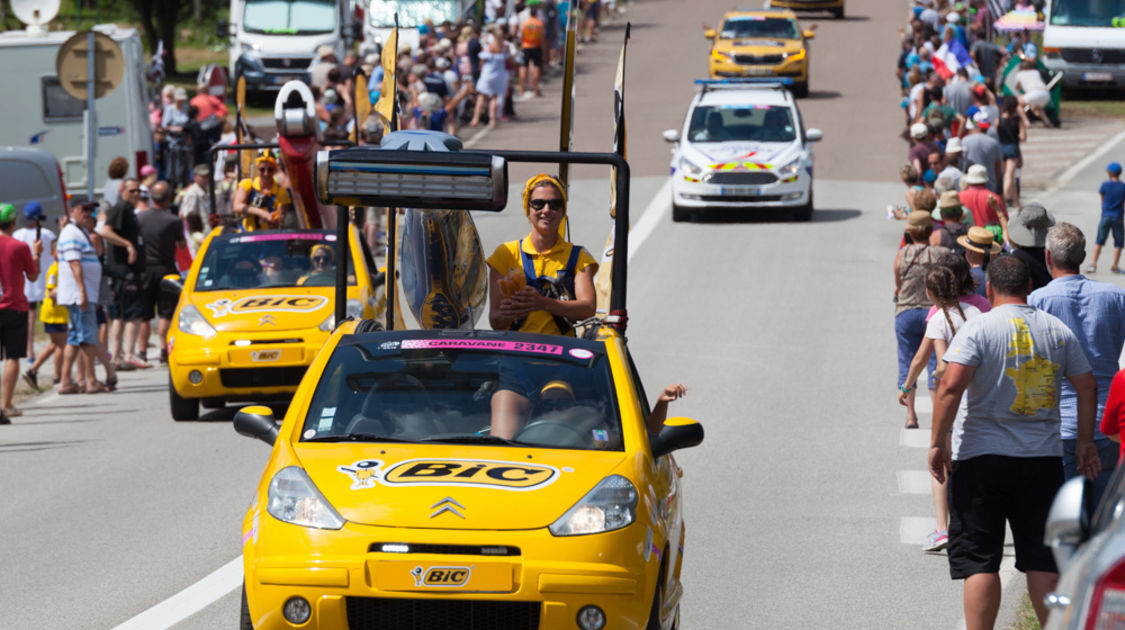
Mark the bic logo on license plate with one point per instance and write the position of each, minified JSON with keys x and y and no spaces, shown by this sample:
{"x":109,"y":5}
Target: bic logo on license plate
{"x":441,"y":577}
{"x":265,"y":356}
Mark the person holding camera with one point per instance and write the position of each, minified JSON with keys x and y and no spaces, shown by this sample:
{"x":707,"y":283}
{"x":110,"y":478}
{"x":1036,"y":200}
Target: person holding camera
{"x":20,"y":262}
{"x":32,"y":231}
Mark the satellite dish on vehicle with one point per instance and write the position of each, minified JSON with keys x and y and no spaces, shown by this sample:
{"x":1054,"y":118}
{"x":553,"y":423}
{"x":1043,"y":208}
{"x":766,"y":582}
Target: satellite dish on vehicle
{"x":35,"y":13}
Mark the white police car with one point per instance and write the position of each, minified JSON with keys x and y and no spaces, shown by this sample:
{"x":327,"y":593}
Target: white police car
{"x":743,"y":145}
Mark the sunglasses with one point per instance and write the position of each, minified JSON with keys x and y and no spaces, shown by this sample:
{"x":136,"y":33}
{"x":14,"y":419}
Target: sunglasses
{"x":321,"y":259}
{"x":267,"y":169}
{"x":132,"y":191}
{"x":555,"y":204}
{"x":557,"y":405}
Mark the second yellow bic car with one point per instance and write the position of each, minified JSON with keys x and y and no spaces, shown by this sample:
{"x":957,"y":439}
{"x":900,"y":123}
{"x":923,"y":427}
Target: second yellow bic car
{"x":761,"y":43}
{"x":255,"y":309}
{"x":389,"y":503}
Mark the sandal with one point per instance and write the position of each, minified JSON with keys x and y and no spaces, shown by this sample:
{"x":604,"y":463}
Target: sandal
{"x":111,"y":384}
{"x":69,"y":389}
{"x":912,"y":424}
{"x":96,"y":388}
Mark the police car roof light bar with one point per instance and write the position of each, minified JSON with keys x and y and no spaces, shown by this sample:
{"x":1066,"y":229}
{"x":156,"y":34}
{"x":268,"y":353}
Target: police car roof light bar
{"x":765,"y":83}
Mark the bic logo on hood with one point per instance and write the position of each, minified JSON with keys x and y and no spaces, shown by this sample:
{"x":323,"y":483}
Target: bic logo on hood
{"x":271,"y":303}
{"x":481,"y":473}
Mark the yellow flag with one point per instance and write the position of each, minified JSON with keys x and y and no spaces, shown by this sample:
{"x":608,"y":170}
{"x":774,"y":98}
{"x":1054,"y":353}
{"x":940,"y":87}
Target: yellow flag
{"x":385,"y":107}
{"x":362,"y":102}
{"x":603,"y":281}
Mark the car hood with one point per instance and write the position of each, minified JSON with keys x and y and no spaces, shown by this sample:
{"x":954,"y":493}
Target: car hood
{"x":265,"y":310}
{"x":748,"y":155}
{"x":759,"y":45}
{"x":452,"y":486}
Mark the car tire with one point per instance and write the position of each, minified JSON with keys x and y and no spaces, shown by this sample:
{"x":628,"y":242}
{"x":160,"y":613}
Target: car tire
{"x":244,"y":622}
{"x":213,"y":403}
{"x":657,"y":600}
{"x":801,"y":90}
{"x":679,"y":213}
{"x":804,"y":213}
{"x":182,"y":408}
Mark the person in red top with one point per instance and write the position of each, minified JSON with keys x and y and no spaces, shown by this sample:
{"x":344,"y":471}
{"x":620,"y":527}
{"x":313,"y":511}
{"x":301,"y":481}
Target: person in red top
{"x":1113,"y":418}
{"x":531,"y":46}
{"x":208,"y":104}
{"x":19,"y":262}
{"x":987,"y":208}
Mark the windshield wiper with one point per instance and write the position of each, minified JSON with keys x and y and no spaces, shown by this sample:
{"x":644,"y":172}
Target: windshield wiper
{"x":477,"y":438}
{"x":356,"y":437}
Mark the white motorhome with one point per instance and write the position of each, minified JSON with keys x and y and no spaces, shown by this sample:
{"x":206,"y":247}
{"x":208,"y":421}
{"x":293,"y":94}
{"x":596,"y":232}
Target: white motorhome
{"x":1084,"y":39}
{"x":50,"y":119}
{"x":275,"y":41}
{"x":380,"y":19}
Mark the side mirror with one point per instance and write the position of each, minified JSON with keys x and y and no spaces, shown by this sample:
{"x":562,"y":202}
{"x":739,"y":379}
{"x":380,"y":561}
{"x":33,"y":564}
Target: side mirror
{"x":172,"y":283}
{"x":357,"y":31}
{"x":256,"y":421}
{"x":222,"y":29}
{"x":671,"y":135}
{"x":814,"y":135}
{"x":1067,"y":523}
{"x":809,"y":34}
{"x":677,"y":433}
{"x":709,"y":33}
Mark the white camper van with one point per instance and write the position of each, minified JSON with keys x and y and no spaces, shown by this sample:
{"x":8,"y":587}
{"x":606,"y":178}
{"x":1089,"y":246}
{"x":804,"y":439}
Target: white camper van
{"x":275,"y":41}
{"x":38,"y":113}
{"x":1084,"y":39}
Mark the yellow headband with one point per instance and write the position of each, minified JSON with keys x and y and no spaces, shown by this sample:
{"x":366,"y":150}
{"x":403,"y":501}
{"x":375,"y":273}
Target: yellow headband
{"x":265,"y":158}
{"x":317,"y":248}
{"x":560,"y":385}
{"x":531,"y":184}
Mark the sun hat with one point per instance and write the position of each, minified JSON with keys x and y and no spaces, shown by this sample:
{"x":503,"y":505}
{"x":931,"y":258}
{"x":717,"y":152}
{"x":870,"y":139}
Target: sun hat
{"x":201,"y":169}
{"x":977,"y":175}
{"x":949,"y":199}
{"x":32,"y":210}
{"x":324,"y":50}
{"x":1029,"y":227}
{"x":953,"y":17}
{"x":953,"y":146}
{"x":443,"y":45}
{"x":919,"y":131}
{"x":1113,"y":168}
{"x":919,"y":220}
{"x":180,"y":94}
{"x":147,"y":170}
{"x":980,"y":240}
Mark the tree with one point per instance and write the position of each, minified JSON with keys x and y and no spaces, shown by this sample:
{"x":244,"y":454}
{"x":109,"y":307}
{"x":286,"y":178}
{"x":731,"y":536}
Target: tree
{"x":159,"y":19}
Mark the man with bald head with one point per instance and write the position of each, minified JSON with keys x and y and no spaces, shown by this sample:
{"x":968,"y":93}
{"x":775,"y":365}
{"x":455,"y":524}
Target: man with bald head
{"x":163,"y":232}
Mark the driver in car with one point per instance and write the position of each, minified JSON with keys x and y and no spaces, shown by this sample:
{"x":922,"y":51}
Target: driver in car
{"x":323,"y":272}
{"x":715,"y":129}
{"x":243,"y":274}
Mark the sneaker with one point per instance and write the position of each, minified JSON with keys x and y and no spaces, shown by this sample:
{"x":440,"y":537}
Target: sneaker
{"x":936,"y":541}
{"x":31,"y":378}
{"x":12,"y":412}
{"x":1090,"y":269}
{"x":4,"y":419}
{"x":1115,"y":270}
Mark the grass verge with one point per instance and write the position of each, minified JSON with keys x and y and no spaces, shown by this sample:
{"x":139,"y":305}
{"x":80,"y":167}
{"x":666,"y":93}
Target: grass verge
{"x":1025,"y":616}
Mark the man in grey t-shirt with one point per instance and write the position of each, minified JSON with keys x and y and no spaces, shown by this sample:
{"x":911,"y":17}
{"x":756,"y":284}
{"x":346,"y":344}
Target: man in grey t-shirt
{"x":1006,"y":454}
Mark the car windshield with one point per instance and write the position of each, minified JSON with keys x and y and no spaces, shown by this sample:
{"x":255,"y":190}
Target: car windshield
{"x":289,"y":17}
{"x":412,"y":13}
{"x":1086,"y":12}
{"x":247,"y":260}
{"x":756,"y":26}
{"x":555,"y":395}
{"x":727,"y":123}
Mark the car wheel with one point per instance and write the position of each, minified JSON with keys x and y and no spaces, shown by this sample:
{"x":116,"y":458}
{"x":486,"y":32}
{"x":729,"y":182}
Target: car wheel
{"x":244,"y":622}
{"x":680,"y":213}
{"x":801,"y":90}
{"x":182,"y":408}
{"x":213,"y":403}
{"x":657,"y":601}
{"x":804,"y":213}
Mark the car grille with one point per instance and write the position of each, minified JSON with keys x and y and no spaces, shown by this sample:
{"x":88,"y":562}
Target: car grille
{"x":292,"y":64}
{"x":440,"y":614}
{"x":752,"y":60}
{"x":262,"y":377}
{"x":458,"y":550}
{"x":746,"y":179}
{"x":720,"y":199}
{"x":1086,"y":55}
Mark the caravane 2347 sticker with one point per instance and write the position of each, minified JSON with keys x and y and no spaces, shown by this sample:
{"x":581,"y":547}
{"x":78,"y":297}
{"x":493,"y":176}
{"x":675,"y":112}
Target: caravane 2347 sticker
{"x":480,"y":473}
{"x":271,"y":303}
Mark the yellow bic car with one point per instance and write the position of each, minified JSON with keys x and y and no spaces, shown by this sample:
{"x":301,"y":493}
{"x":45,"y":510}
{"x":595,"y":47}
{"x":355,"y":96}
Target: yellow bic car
{"x":835,"y":7}
{"x":255,"y":309}
{"x":761,"y":43}
{"x":389,"y":503}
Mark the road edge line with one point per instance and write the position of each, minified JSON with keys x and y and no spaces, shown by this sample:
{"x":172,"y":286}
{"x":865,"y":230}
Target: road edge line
{"x":650,"y":218}
{"x":190,"y":600}
{"x":1072,"y":172}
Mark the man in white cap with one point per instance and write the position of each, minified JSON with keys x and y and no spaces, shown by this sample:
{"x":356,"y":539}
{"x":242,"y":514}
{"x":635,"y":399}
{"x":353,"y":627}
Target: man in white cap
{"x":324,"y":62}
{"x":920,"y":147}
{"x":980,"y":148}
{"x":952,"y":162}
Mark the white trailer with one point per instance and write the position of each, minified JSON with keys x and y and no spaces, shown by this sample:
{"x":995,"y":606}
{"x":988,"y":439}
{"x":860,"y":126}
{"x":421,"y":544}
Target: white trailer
{"x":39,"y":114}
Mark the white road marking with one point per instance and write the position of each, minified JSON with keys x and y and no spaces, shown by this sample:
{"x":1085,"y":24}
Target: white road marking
{"x":914,"y":438}
{"x":1078,"y":137}
{"x":475,"y":138}
{"x":659,"y":206}
{"x":190,"y":600}
{"x":913,"y":481}
{"x":1082,"y":164}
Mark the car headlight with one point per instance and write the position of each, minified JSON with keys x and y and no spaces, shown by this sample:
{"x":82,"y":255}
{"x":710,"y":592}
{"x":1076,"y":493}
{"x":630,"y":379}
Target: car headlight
{"x":252,"y":50}
{"x":795,"y":56}
{"x":191,"y":322}
{"x":790,"y":169}
{"x":690,"y":169}
{"x":354,"y":310}
{"x":294,"y":499}
{"x":719,"y":55}
{"x":612,"y":504}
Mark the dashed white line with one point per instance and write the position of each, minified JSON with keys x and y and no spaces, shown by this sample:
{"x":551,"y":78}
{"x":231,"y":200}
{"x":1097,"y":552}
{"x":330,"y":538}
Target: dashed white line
{"x":190,"y":600}
{"x":659,"y":206}
{"x":913,"y":481}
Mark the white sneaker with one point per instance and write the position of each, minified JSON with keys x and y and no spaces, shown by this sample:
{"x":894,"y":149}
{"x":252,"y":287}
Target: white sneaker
{"x":936,"y":541}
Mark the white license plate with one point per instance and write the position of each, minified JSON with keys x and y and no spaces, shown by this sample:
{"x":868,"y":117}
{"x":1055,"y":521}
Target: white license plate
{"x":759,"y":71}
{"x":741,"y":191}
{"x":265,"y":356}
{"x":1097,"y":76}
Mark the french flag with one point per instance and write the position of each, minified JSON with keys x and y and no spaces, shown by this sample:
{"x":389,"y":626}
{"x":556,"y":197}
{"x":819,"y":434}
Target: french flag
{"x":950,"y":58}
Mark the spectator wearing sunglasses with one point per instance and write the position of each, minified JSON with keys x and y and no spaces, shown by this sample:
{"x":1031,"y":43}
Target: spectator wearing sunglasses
{"x":323,"y":271}
{"x":558,"y":287}
{"x":262,"y":202}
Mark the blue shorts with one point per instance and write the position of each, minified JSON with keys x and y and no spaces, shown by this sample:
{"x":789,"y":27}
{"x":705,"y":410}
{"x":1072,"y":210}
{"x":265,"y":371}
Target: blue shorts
{"x":83,"y":326}
{"x":54,"y":328}
{"x":910,"y":327}
{"x":1107,"y":223}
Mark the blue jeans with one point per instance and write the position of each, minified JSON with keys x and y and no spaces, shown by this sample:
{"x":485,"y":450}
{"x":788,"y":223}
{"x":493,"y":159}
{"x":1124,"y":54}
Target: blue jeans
{"x":83,"y":327}
{"x":910,"y":327}
{"x":1108,"y":450}
{"x":1114,"y":224}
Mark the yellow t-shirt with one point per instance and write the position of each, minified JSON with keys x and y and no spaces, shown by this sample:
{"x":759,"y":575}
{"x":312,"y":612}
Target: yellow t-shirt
{"x":506,"y":257}
{"x":273,"y":199}
{"x":49,"y":312}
